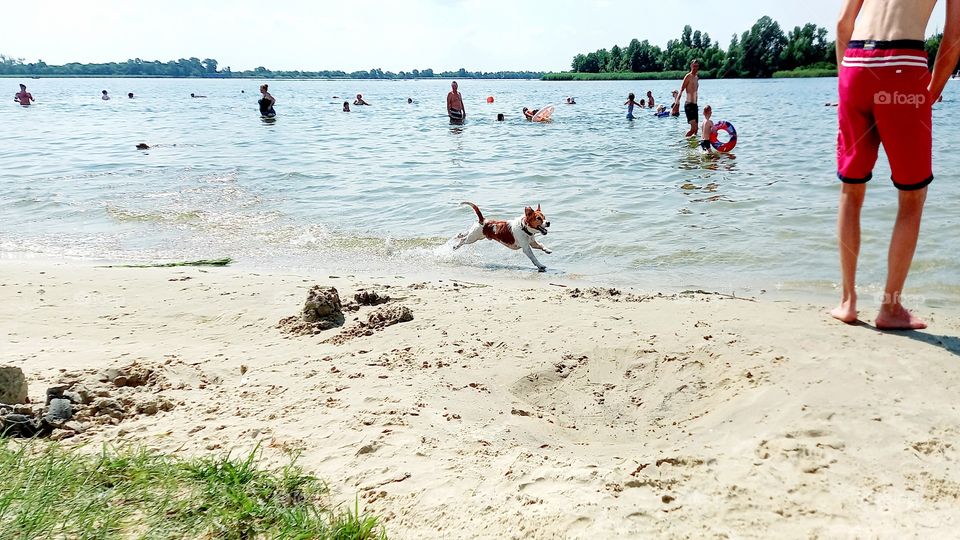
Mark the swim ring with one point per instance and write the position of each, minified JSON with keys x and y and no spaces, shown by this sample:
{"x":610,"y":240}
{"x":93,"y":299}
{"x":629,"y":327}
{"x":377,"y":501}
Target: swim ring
{"x":723,"y":125}
{"x":663,"y":114}
{"x":543,"y":115}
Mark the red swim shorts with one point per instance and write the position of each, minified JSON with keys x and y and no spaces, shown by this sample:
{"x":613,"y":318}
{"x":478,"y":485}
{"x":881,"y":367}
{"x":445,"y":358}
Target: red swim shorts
{"x":884,"y":99}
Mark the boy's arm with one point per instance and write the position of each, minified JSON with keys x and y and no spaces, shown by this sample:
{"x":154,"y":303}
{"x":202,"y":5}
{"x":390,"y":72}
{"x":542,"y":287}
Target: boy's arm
{"x":949,"y":51}
{"x":845,"y":24}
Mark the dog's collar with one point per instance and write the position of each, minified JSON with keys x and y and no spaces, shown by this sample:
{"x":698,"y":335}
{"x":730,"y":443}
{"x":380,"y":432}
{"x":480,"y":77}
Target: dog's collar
{"x":526,"y":230}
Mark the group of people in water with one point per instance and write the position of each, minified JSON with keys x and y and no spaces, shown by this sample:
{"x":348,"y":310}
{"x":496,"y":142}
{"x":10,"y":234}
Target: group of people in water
{"x":26,"y":98}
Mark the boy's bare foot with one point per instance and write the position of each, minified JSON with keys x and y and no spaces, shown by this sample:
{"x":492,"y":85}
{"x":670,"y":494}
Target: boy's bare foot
{"x":846,"y":312}
{"x":898,"y":318}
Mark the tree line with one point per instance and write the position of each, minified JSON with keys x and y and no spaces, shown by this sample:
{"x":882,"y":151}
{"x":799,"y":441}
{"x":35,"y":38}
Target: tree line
{"x":209,"y":67}
{"x":759,"y":52}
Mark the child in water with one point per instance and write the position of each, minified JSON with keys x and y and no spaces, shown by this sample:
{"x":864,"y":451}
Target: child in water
{"x":708,"y":129}
{"x":631,"y":103}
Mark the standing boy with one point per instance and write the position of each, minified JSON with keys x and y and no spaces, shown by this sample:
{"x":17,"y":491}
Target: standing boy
{"x":886,"y":93}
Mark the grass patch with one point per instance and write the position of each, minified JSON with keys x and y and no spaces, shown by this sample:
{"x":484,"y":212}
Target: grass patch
{"x":619,"y":76}
{"x":202,"y":262}
{"x":805,"y":73}
{"x":49,"y":491}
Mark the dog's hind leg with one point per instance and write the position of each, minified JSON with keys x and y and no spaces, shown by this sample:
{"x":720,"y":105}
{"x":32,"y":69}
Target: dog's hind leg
{"x":475,"y":233}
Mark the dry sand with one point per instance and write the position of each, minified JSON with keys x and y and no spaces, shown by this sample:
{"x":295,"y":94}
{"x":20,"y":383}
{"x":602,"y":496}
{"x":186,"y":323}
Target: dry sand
{"x":513,"y":410}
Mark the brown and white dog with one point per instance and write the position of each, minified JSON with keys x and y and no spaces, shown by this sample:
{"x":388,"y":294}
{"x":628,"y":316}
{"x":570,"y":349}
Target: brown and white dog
{"x":515,"y":234}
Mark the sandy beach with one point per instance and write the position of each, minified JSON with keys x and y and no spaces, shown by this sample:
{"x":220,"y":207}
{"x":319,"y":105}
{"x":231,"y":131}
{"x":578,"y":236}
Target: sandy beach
{"x":523,"y":409}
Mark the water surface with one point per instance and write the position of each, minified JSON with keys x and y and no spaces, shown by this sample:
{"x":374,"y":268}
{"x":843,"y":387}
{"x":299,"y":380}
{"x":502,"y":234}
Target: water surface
{"x":631,"y":203}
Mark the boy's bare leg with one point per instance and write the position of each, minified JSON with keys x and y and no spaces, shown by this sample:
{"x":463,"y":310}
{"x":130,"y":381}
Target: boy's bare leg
{"x":893,"y":316}
{"x":848,"y":231}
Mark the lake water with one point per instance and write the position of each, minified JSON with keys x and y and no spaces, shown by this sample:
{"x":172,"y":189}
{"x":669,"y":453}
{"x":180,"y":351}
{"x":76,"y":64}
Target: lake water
{"x":631,"y":203}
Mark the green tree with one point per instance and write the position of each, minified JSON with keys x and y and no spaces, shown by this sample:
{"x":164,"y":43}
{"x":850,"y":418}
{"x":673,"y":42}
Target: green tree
{"x":646,"y":58}
{"x":732,"y":61}
{"x":615,"y":62}
{"x":761,"y":48}
{"x":210,"y":66}
{"x":805,"y":46}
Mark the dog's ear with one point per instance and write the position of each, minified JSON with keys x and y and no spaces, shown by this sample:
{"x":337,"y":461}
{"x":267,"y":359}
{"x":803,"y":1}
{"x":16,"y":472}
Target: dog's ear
{"x":527,"y":211}
{"x":538,"y":208}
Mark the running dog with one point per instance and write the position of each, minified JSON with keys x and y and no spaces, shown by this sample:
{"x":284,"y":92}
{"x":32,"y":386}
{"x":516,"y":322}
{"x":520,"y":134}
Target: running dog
{"x":515,"y":234}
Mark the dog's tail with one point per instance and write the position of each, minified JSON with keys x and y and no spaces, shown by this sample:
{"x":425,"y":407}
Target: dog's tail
{"x":475,"y":209}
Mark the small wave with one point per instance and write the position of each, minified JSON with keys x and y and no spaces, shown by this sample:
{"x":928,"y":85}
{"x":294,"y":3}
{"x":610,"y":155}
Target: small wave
{"x":126,"y":216}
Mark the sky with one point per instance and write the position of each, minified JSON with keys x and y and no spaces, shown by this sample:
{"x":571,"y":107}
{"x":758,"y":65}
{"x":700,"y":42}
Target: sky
{"x":400,"y":35}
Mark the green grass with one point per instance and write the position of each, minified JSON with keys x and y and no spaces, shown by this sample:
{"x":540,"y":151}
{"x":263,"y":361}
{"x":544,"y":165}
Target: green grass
{"x":620,"y":76}
{"x":202,"y":262}
{"x":805,"y":73}
{"x":49,"y":491}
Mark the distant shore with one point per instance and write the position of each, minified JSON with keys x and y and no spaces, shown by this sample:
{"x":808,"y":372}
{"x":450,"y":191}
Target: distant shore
{"x":270,"y":77}
{"x":676,"y":75}
{"x":562,"y":76}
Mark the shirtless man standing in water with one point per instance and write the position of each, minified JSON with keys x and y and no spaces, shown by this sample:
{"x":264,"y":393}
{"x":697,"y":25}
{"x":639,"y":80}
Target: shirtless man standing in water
{"x":23,"y":97}
{"x":455,"y":109}
{"x":691,"y":84}
{"x":886,"y":93}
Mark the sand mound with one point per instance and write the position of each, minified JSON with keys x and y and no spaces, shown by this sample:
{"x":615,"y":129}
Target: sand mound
{"x":377,"y":320}
{"x":321,"y":311}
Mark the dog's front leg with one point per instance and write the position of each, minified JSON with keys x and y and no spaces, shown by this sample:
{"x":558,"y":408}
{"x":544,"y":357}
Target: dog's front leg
{"x":537,"y":245}
{"x":529,"y":253}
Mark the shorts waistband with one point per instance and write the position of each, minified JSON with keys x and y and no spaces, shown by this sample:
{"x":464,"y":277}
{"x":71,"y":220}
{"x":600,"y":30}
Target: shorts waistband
{"x":869,"y":44}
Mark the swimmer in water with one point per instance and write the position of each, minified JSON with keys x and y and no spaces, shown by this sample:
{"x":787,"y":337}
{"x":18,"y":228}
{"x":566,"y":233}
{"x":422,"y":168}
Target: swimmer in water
{"x":23,"y":97}
{"x":530,"y":114}
{"x":631,"y":103}
{"x":346,"y":106}
{"x":196,"y":96}
{"x":266,"y":102}
{"x":104,"y":96}
{"x":708,"y":130}
{"x":360,"y":101}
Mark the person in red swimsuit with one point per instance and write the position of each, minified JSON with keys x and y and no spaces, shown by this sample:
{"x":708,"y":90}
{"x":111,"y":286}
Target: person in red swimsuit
{"x":886,"y":92}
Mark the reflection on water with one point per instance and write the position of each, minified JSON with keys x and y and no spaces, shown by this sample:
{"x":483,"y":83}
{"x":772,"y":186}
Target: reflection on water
{"x":631,"y":202}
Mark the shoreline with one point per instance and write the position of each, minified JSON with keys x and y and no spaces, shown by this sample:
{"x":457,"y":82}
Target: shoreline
{"x":791,"y":291}
{"x":522,"y":410}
